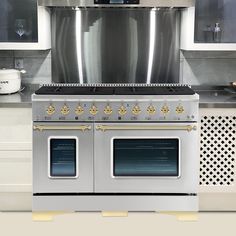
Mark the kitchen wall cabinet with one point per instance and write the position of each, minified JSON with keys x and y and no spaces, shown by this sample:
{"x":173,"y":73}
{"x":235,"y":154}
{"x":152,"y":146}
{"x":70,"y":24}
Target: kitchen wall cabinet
{"x":15,"y":158}
{"x":197,"y":33}
{"x":24,"y":25}
{"x":215,"y":21}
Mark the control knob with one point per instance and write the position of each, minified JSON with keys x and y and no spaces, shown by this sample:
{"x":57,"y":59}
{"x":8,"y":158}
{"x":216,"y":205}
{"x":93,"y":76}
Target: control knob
{"x":151,"y":110}
{"x":122,"y":110}
{"x":65,"y":110}
{"x":50,"y":110}
{"x":108,"y":110}
{"x":136,"y":110}
{"x":179,"y":109}
{"x":165,"y":109}
{"x":79,"y":110}
{"x":93,"y":110}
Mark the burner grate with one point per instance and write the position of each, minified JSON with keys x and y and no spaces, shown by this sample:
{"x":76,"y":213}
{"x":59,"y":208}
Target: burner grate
{"x":114,"y":85}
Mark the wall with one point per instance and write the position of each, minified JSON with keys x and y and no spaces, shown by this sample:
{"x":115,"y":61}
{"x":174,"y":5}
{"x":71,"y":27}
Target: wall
{"x":211,"y":68}
{"x":196,"y":68}
{"x":36,"y":63}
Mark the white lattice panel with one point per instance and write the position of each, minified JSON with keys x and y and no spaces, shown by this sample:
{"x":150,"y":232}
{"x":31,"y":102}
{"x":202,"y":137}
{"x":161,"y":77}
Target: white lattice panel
{"x":217,"y":148}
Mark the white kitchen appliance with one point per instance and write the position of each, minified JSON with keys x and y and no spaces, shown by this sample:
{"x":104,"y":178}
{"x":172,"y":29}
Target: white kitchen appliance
{"x":10,"y":81}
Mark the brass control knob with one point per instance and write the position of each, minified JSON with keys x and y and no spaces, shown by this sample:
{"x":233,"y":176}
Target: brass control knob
{"x":65,"y":110}
{"x":151,"y":110}
{"x":165,"y":110}
{"x":50,"y":110}
{"x":179,"y":109}
{"x":108,"y":110}
{"x":93,"y":110}
{"x":79,"y":110}
{"x":122,"y":110}
{"x":136,"y":110}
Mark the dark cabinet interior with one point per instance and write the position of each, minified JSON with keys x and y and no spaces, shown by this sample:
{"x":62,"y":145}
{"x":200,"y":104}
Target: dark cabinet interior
{"x":215,"y":21}
{"x":18,"y":21}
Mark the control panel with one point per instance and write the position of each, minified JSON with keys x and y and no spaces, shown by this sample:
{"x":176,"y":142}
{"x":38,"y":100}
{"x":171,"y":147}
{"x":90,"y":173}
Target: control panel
{"x":115,"y":110}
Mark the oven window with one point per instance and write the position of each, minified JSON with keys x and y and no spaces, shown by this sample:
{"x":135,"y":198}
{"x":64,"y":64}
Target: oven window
{"x":63,"y":157}
{"x":146,"y":157}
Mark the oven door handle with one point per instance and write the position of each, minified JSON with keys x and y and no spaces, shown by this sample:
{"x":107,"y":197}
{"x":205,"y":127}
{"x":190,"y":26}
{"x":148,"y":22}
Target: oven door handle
{"x":104,"y":128}
{"x":62,"y":127}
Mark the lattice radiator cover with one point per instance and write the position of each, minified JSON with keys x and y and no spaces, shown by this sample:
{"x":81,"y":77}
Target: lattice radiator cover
{"x":217,"y":147}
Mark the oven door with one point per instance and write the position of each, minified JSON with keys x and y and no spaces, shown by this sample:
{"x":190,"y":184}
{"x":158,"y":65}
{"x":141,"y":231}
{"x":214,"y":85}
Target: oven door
{"x":146,"y":158}
{"x":62,"y":158}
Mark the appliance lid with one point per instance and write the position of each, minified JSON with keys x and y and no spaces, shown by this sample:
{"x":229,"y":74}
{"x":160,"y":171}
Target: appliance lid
{"x":116,"y":3}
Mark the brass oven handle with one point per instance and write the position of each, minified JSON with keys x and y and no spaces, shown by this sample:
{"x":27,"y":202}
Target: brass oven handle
{"x":62,"y":127}
{"x":139,"y":127}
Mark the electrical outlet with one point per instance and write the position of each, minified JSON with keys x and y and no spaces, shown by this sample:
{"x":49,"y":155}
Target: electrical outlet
{"x":19,"y":63}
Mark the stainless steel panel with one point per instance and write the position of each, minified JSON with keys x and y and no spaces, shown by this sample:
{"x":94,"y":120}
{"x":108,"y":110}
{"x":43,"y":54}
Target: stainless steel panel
{"x":143,"y":3}
{"x":115,"y":45}
{"x":115,"y":203}
{"x":189,"y":162}
{"x":41,"y":181}
{"x":190,"y":113}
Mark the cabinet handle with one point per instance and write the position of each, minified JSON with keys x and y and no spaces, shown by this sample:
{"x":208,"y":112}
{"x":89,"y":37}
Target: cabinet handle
{"x":62,"y":127}
{"x":104,"y":128}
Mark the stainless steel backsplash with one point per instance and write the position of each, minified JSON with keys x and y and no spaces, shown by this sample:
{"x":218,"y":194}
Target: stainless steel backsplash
{"x":115,"y":45}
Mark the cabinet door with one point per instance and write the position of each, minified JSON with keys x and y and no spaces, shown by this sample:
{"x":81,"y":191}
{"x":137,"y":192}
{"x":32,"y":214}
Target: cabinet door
{"x":215,"y":21}
{"x":18,"y":21}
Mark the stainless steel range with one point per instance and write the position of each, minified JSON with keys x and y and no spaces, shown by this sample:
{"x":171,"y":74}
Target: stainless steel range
{"x":115,"y":147}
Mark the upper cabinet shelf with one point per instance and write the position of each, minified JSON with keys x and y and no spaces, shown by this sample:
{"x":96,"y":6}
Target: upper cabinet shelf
{"x":209,"y":26}
{"x":24,"y":25}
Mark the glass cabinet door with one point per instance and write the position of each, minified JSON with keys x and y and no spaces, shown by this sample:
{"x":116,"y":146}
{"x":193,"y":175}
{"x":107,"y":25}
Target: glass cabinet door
{"x":215,"y":21}
{"x":18,"y":21}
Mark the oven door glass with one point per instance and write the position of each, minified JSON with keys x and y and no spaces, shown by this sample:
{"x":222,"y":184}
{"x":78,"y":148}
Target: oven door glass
{"x":146,"y":157}
{"x":63,"y":157}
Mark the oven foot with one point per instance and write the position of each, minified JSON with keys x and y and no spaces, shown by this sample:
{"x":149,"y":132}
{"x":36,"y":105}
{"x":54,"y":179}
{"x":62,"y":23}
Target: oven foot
{"x":183,"y":216}
{"x":46,"y":216}
{"x":114,"y":213}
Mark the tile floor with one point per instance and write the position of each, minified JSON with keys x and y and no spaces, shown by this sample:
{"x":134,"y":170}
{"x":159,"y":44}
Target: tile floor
{"x":138,"y":224}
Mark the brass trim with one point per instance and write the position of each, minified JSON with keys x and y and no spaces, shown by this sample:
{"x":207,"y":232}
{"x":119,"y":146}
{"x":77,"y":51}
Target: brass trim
{"x":47,"y":216}
{"x":104,"y":128}
{"x":62,"y":127}
{"x":115,"y":213}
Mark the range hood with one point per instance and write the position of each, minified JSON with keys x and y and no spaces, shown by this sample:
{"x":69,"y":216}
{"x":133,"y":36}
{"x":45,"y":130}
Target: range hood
{"x":116,"y":3}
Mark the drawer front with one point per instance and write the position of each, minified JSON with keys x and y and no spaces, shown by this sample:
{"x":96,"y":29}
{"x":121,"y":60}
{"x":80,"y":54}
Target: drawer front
{"x":15,"y":171}
{"x":15,"y":126}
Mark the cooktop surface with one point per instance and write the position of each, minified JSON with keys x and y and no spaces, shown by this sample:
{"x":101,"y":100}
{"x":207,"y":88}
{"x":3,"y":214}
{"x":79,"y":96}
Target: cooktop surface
{"x":116,"y":90}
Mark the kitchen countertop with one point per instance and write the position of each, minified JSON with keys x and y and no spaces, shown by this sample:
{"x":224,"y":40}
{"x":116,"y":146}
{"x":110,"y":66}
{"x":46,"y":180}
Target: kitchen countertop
{"x":21,"y":99}
{"x":216,"y":96}
{"x":210,"y":97}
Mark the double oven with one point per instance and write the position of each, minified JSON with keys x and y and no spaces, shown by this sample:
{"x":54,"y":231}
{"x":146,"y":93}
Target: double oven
{"x":115,"y":158}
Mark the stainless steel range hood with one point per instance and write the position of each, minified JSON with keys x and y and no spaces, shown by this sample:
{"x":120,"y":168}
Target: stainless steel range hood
{"x":116,"y":3}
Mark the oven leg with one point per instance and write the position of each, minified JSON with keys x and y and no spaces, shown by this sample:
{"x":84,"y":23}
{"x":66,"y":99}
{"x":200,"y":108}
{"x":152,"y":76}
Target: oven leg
{"x":46,"y":216}
{"x":114,"y":213}
{"x":183,"y":216}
